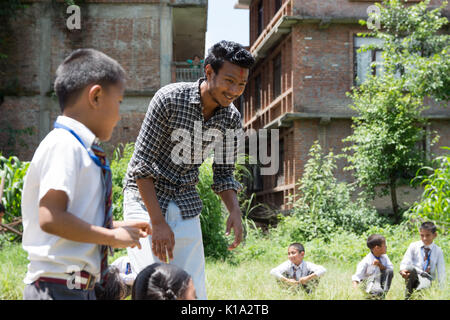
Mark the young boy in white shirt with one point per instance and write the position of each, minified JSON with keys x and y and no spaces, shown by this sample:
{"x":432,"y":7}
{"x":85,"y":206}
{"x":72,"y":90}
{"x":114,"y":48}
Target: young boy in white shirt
{"x":375,"y":271}
{"x":66,"y":200}
{"x":295,"y":271}
{"x":423,"y":261}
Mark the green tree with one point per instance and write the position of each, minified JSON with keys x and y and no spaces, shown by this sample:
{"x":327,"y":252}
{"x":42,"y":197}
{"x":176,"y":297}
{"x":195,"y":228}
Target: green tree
{"x":389,"y":127}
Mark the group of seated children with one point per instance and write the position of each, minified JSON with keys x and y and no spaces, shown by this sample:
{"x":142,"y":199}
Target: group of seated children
{"x":422,"y":263}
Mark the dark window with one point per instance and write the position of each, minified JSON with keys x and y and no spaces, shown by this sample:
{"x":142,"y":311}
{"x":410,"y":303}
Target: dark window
{"x":278,"y":5}
{"x":277,"y":76}
{"x":260,"y":17}
{"x":258,"y":92}
{"x":363,"y":60}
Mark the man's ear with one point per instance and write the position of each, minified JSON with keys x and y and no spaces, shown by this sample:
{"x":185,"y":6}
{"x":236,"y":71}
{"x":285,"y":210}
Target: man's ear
{"x":94,"y":95}
{"x":209,"y":71}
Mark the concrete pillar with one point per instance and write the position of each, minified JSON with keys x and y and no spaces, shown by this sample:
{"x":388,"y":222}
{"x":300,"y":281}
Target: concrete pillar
{"x":45,"y":77}
{"x":166,"y":43}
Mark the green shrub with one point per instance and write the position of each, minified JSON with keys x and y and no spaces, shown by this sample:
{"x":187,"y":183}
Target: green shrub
{"x":13,"y":170}
{"x":434,"y":204}
{"x":119,"y":164}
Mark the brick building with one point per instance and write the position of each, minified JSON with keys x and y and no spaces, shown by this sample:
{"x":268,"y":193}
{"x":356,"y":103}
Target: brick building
{"x":150,"y":38}
{"x":306,"y":62}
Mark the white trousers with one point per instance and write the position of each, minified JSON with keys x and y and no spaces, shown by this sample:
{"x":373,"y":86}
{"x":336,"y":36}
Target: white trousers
{"x":188,"y":252}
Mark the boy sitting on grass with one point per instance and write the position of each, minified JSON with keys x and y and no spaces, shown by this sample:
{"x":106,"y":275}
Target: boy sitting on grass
{"x":297,"y":272}
{"x":375,"y":271}
{"x":68,"y":228}
{"x":423,"y":262}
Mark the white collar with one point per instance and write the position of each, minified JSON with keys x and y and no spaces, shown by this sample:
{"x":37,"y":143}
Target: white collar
{"x":86,"y":135}
{"x":295,"y":266}
{"x":424,"y":246}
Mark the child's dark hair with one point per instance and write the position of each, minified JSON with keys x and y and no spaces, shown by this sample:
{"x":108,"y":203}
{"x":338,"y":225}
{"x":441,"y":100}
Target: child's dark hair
{"x":430,"y":226}
{"x":160,"y":281}
{"x":82,"y":68}
{"x":375,"y":240}
{"x":228,"y":51}
{"x":298,"y":246}
{"x":114,"y":288}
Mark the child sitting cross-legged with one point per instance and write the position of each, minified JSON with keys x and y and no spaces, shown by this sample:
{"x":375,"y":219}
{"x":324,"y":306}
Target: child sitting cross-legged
{"x":295,"y":271}
{"x":375,"y":271}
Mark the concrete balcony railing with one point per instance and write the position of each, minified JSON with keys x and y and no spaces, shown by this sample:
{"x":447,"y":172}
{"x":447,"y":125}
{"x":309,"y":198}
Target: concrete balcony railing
{"x":285,"y":10}
{"x":183,"y":72}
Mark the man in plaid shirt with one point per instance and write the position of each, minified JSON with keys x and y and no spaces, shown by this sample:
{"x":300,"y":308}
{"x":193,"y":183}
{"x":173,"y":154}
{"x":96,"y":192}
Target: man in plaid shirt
{"x":160,"y":187}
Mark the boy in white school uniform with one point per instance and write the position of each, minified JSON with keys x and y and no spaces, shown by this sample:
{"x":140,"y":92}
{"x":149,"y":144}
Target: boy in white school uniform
{"x":66,"y":200}
{"x":375,"y":271}
{"x":296,"y":271}
{"x":423,"y":261}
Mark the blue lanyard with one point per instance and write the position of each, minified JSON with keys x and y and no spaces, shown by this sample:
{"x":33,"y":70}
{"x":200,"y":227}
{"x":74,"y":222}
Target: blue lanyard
{"x":428,"y":258}
{"x":91,"y":154}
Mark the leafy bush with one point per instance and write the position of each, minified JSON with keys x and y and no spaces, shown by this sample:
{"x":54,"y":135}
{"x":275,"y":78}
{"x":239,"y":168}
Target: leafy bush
{"x":119,"y":165}
{"x":13,"y":170}
{"x":435,"y":201}
{"x":325,"y":205}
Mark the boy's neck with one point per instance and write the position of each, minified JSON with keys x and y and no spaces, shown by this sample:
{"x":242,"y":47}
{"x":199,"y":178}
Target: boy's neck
{"x":78,"y":116}
{"x":376,"y":255}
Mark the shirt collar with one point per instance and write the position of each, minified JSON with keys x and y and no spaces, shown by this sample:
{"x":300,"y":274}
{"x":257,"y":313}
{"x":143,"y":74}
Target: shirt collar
{"x":295,"y":266}
{"x":86,"y":135}
{"x":195,"y":97}
{"x":424,"y":246}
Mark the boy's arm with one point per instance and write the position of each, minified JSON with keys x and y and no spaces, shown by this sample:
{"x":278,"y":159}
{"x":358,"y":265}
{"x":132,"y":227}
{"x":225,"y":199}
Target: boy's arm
{"x":278,"y":272}
{"x":162,"y":235}
{"x":54,"y":219}
{"x":234,"y":221}
{"x":406,"y":262}
{"x":440,"y":268}
{"x":360,"y":272}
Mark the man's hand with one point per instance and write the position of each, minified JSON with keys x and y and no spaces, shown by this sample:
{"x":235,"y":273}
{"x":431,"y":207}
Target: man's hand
{"x":404,"y":274}
{"x":163,"y":239}
{"x":234,"y":222}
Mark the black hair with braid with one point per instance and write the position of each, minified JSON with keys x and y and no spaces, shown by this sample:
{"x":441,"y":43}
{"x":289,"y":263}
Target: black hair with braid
{"x":160,"y":281}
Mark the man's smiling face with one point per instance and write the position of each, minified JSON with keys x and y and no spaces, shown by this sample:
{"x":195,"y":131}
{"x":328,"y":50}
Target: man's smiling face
{"x":228,"y":84}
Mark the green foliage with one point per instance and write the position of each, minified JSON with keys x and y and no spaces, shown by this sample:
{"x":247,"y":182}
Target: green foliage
{"x":434,"y":204}
{"x":389,"y":125}
{"x":14,"y":172}
{"x":325,"y":205}
{"x":213,"y":214}
{"x":119,"y":165}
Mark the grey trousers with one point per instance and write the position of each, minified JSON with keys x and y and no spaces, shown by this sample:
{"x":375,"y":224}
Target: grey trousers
{"x":54,"y":291}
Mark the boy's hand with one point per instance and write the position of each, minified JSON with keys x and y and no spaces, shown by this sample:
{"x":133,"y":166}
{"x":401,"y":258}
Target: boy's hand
{"x":377,"y":263}
{"x":404,"y":274}
{"x":142,"y":225}
{"x":163,"y":240}
{"x":355,"y":284}
{"x":124,"y":237}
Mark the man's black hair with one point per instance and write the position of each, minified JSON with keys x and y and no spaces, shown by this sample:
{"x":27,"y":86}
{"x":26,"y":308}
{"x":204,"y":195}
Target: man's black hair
{"x":82,"y":68}
{"x":430,"y":226}
{"x":375,"y":240}
{"x":229,"y":51}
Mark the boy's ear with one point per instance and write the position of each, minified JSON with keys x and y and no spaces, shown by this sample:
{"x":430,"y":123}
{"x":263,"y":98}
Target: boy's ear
{"x":302,"y":254}
{"x":94,"y":95}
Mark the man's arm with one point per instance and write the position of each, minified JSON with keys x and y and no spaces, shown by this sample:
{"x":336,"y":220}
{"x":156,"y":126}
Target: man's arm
{"x":234,"y":221}
{"x":162,"y":235}
{"x":54,"y":219}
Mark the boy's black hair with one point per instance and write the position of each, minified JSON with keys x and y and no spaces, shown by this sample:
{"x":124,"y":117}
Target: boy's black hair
{"x":228,"y":51}
{"x":82,"y":68}
{"x":428,"y":225}
{"x":160,"y":281}
{"x":375,"y":240}
{"x":298,"y":246}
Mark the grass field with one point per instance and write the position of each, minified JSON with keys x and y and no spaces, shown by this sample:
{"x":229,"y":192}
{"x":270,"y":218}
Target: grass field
{"x":227,"y":281}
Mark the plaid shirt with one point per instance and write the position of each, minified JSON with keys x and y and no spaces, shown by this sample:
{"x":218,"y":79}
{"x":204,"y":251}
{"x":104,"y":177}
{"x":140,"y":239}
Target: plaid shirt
{"x":177,"y":107}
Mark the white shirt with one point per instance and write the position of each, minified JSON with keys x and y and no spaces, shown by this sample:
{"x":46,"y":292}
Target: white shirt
{"x":365,"y":267}
{"x":62,"y":163}
{"x":286,"y":269}
{"x":414,"y":257}
{"x":124,"y":266}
